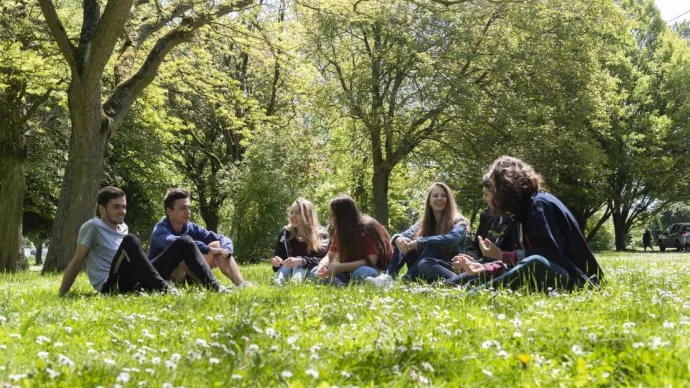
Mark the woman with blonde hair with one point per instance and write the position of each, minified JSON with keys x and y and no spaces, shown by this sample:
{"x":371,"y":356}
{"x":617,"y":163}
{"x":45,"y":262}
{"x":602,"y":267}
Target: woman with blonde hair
{"x":301,"y":244}
{"x":428,"y":246}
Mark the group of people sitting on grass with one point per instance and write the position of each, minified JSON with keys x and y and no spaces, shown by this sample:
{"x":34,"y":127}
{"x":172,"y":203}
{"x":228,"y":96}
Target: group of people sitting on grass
{"x":526,"y":238}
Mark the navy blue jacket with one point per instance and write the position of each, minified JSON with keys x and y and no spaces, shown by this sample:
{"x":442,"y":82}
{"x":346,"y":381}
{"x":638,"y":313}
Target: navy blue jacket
{"x":550,"y":230}
{"x":163,"y":235}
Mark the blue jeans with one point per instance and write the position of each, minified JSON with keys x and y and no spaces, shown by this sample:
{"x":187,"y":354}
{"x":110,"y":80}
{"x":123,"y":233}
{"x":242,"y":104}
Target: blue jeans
{"x":297,"y":273}
{"x":432,"y":269}
{"x":398,"y":260}
{"x":356,"y":276}
{"x":535,"y":273}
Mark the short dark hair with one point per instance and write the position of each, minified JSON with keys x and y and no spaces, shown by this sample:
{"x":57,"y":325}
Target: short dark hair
{"x":107,"y":193}
{"x":173,"y":195}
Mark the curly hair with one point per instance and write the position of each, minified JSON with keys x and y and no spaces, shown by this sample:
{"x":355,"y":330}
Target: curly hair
{"x":510,"y":180}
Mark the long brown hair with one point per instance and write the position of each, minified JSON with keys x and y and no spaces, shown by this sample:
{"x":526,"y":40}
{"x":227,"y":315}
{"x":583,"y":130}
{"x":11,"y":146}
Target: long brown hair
{"x":510,"y":180}
{"x":309,"y":229}
{"x":351,"y":226}
{"x":449,"y":217}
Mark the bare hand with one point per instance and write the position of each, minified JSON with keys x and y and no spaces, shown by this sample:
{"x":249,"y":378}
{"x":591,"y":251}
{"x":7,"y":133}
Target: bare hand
{"x":473,"y":268}
{"x":215,"y":251}
{"x":412,"y":245}
{"x":276,"y":261}
{"x":489,"y":249}
{"x":292,"y":262}
{"x":326,"y":271}
{"x":458,"y":263}
{"x":401,"y":243}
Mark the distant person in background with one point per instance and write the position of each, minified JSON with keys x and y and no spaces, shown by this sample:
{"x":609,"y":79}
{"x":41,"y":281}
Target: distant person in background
{"x":647,"y":239}
{"x":301,"y":244}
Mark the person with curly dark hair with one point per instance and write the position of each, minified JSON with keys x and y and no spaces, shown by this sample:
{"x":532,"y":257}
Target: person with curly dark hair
{"x":552,"y":252}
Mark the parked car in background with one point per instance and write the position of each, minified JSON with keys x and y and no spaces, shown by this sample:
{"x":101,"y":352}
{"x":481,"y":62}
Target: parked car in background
{"x":676,"y":236}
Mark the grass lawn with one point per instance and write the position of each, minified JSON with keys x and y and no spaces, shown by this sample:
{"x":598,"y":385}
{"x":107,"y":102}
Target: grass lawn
{"x":633,"y":332}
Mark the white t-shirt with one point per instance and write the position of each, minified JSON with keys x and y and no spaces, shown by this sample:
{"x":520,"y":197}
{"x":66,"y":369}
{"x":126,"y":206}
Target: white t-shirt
{"x":103,"y":242}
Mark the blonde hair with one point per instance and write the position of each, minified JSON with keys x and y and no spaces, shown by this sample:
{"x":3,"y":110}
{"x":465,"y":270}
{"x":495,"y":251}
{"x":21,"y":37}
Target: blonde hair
{"x":309,"y":229}
{"x":449,"y":217}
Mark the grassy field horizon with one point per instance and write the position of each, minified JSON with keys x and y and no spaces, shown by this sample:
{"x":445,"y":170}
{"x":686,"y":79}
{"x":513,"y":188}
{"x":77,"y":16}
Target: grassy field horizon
{"x":633,"y":332}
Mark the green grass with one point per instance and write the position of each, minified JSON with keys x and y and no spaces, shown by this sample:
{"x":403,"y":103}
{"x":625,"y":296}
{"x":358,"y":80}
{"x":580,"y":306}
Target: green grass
{"x":634,"y":332}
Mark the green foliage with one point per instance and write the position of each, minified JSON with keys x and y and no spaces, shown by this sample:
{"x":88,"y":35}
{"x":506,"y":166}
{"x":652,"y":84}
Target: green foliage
{"x":632,"y":333}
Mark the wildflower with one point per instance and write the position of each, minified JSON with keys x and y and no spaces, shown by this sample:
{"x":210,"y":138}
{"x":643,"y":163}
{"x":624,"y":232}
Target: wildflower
{"x":487,"y":372}
{"x":53,"y":374}
{"x":577,"y":350}
{"x":149,"y":371}
{"x":123,"y":377}
{"x":524,"y":359}
{"x":427,"y":366}
{"x":170,"y":365}
{"x":402,"y":349}
{"x":669,"y":325}
{"x":42,"y":339}
{"x":17,"y":377}
{"x":292,"y":339}
{"x":486,"y":344}
{"x":155,"y":360}
{"x":109,"y":361}
{"x":64,"y":360}
{"x":501,"y":316}
{"x":286,"y":374}
{"x":628,"y":325}
{"x":213,"y":361}
{"x":312,"y":372}
{"x":592,"y":337}
{"x":637,"y":345}
{"x":43,"y":355}
{"x":253,"y":348}
{"x":236,"y":377}
{"x":175,"y":357}
{"x":345,"y":374}
{"x":502,"y":353}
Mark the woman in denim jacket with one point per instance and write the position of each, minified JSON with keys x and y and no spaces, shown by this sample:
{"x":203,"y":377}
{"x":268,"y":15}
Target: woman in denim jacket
{"x":429,"y":245}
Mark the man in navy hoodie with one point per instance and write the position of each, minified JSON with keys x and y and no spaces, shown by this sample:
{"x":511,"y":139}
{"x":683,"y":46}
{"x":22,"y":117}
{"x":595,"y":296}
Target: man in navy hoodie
{"x":216,"y":248}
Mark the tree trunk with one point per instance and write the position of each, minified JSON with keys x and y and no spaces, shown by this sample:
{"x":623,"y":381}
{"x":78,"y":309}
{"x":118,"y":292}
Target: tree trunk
{"x":380,"y":183}
{"x":83,"y":174}
{"x":39,"y":252}
{"x":22,"y":264}
{"x":210,"y":216}
{"x":620,"y":231}
{"x":12,"y":180}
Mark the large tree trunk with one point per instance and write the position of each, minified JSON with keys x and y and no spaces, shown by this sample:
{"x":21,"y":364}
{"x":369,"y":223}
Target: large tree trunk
{"x":12,"y":174}
{"x":210,"y":216}
{"x":82,"y":180}
{"x":380,"y":183}
{"x":620,"y":231}
{"x":22,"y":264}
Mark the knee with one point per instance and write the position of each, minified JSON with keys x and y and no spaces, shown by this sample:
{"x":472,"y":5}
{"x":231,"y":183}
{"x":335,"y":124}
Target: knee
{"x":535,"y":261}
{"x":131,"y":239}
{"x":184,"y":241}
{"x":425,"y":264}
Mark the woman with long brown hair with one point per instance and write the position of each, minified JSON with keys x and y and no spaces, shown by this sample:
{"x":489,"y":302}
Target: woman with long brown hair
{"x":429,"y":245}
{"x":360,"y":248}
{"x":301,"y":244}
{"x":552,"y":252}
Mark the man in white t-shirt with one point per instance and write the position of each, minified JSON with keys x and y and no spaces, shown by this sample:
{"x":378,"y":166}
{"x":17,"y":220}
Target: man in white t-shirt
{"x":115,"y":261}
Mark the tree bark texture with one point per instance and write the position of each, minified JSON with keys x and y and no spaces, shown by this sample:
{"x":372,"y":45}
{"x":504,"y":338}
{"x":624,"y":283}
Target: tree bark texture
{"x":83,"y":174}
{"x":12,"y":174}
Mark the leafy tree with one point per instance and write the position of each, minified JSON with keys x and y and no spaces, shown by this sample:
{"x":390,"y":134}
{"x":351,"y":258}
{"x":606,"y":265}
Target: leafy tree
{"x":28,"y":75}
{"x":97,"y":110}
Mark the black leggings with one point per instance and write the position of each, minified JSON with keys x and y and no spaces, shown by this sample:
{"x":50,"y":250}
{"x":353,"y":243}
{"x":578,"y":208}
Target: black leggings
{"x":131,"y":270}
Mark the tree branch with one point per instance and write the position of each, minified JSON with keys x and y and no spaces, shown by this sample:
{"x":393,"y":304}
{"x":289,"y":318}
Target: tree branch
{"x":100,"y":48}
{"x":59,"y":34}
{"x":124,"y":95}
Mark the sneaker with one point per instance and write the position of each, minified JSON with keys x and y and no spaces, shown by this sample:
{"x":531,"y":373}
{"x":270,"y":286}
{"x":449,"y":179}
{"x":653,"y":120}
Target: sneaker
{"x":381,"y":281}
{"x":224,"y":290}
{"x":246,"y":284}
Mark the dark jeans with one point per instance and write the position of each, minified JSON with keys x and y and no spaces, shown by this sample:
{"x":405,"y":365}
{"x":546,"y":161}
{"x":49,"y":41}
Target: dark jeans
{"x":431,"y":269}
{"x":535,"y":273}
{"x":398,"y":260}
{"x":646,"y":244}
{"x":132,"y":271}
